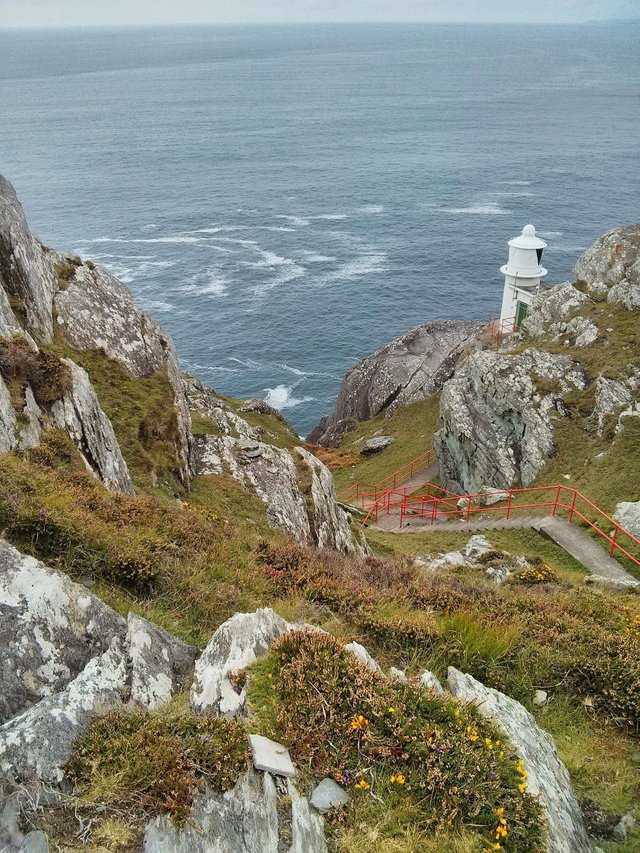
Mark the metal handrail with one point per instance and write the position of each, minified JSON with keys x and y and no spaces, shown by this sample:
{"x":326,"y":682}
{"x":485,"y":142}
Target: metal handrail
{"x":390,"y":482}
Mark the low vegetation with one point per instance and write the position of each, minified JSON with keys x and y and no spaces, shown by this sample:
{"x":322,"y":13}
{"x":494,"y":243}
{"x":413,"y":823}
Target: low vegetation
{"x":429,"y":765}
{"x":48,"y":377}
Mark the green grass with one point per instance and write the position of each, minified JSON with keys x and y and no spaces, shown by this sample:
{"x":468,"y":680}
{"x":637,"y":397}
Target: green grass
{"x":412,"y":426}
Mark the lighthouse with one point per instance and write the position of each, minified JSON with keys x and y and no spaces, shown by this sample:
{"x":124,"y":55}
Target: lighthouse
{"x":522,"y":274}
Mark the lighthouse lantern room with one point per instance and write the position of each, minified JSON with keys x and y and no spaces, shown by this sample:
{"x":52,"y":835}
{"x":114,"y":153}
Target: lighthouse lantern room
{"x":522,"y":274}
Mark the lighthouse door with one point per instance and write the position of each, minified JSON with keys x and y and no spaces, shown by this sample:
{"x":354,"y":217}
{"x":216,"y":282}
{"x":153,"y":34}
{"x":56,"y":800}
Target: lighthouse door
{"x":521,"y":313}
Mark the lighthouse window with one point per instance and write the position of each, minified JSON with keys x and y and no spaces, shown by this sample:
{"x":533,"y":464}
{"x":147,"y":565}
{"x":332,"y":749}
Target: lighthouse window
{"x":539,"y":254}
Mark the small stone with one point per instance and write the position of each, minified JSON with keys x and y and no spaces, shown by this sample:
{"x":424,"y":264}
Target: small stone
{"x":375,"y":445}
{"x":88,"y":582}
{"x":540,"y":698}
{"x":271,"y":757}
{"x":328,"y":795}
{"x":363,"y":655}
{"x":397,"y":674}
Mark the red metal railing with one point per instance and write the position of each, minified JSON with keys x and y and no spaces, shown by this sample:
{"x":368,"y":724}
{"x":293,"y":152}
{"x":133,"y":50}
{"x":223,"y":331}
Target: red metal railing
{"x":499,"y":329}
{"x":358,"y":491}
{"x":557,"y":498}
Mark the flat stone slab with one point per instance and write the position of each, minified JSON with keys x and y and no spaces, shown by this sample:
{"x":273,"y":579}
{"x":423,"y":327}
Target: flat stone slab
{"x":271,"y":757}
{"x":375,"y":445}
{"x":328,"y":795}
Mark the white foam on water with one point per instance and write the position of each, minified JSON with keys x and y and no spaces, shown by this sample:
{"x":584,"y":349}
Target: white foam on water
{"x":285,"y":269}
{"x":160,"y":305}
{"x":176,"y":239}
{"x":371,"y":208}
{"x":218,"y":229}
{"x":302,"y":373}
{"x":282,"y":397}
{"x":369,"y":264}
{"x":316,"y":258}
{"x":150,"y":227}
{"x":550,"y":235}
{"x":208,"y":282}
{"x":517,"y":183}
{"x":299,"y":221}
{"x":331,"y":217}
{"x":282,"y":229}
{"x":491,"y":208}
{"x":515,"y":194}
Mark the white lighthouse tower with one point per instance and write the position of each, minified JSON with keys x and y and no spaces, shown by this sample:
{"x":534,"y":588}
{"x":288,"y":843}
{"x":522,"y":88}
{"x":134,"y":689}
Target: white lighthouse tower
{"x":522,"y":274}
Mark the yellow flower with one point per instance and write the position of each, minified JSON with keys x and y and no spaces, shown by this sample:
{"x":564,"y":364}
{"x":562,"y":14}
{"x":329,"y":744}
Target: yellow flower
{"x":392,"y":710}
{"x":270,"y":675}
{"x":487,"y":743}
{"x":400,"y":779}
{"x":522,"y":788}
{"x":500,"y":812}
{"x":497,"y":847}
{"x":359,"y":722}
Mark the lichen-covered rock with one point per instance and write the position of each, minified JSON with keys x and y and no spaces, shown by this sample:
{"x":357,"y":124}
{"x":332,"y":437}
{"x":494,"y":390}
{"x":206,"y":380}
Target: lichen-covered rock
{"x":627,"y":514}
{"x":12,"y":839}
{"x":96,"y":312}
{"x":237,"y":643}
{"x":329,"y":523}
{"x":38,"y":743}
{"x":431,"y":681}
{"x":551,"y":306}
{"x":363,"y":656}
{"x":376,"y":445}
{"x":160,"y":662}
{"x":8,"y":421}
{"x":26,"y":274}
{"x":49,"y":629}
{"x":79,"y":413}
{"x":328,"y":795}
{"x":411,"y":368}
{"x":258,"y":815}
{"x":611,"y":396}
{"x":547,"y":776}
{"x":497,"y":414}
{"x":611,"y":267}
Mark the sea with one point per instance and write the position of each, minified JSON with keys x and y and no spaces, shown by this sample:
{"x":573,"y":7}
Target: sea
{"x":287,"y":199}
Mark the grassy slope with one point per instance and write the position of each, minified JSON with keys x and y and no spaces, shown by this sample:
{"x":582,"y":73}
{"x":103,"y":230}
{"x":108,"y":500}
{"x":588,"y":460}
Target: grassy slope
{"x":412,"y":426}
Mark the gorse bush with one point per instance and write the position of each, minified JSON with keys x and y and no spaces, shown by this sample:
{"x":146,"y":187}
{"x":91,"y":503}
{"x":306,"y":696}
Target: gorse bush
{"x":437,"y":762}
{"x":153,"y":762}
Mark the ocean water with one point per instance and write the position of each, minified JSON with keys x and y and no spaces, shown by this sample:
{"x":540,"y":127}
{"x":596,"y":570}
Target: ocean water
{"x":285,"y":200}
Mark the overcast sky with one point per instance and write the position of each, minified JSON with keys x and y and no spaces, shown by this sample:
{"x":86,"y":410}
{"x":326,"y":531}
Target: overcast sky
{"x":90,"y":12}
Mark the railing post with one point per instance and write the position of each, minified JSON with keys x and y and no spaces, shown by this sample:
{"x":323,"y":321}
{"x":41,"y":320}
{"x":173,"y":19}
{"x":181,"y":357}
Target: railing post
{"x":613,"y":541}
{"x":573,"y":505}
{"x":468,"y":508}
{"x":509,"y":503}
{"x":434,"y":510}
{"x":557,"y":500}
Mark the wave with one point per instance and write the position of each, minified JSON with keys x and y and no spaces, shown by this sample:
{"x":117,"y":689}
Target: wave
{"x":371,"y":208}
{"x":218,"y":229}
{"x":491,"y":208}
{"x":282,"y":397}
{"x":281,"y":229}
{"x":288,"y":270}
{"x":515,"y":194}
{"x":517,"y":183}
{"x":331,"y":217}
{"x":175,"y":239}
{"x":159,"y":305}
{"x":550,"y":235}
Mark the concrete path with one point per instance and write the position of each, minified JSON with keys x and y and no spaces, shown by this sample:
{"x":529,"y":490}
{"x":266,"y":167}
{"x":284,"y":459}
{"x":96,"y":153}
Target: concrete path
{"x":573,"y":539}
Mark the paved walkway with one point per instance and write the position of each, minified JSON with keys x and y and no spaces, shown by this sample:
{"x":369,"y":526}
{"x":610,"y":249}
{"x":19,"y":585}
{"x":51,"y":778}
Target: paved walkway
{"x":573,"y":539}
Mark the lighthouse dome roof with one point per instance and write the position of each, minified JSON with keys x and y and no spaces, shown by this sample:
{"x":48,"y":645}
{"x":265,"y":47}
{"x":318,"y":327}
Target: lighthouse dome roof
{"x":528,"y":239}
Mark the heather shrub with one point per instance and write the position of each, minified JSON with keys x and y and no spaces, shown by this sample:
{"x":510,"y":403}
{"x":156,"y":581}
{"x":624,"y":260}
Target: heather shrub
{"x":152,"y":763}
{"x":48,"y":376}
{"x":437,"y":763}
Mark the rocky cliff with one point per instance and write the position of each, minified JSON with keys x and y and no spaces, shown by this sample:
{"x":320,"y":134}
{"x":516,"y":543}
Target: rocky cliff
{"x":411,"y":368}
{"x":573,"y":366}
{"x":58,"y":313}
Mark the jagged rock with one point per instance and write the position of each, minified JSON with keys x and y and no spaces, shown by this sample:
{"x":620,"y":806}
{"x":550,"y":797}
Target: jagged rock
{"x":8,"y":421}
{"x":397,"y":674}
{"x":581,"y":329}
{"x":49,"y":629}
{"x":621,"y":829}
{"x":431,"y":682}
{"x":548,"y":777}
{"x":330,"y":526}
{"x":375,"y":445}
{"x":411,"y":368}
{"x":627,"y":514}
{"x":633,"y":411}
{"x":254,"y":404}
{"x":271,"y":757}
{"x":80,"y":415}
{"x":611,"y":267}
{"x":38,"y":743}
{"x":497,"y":415}
{"x":611,"y":395}
{"x":12,"y":839}
{"x":160,"y":663}
{"x":96,"y":312}
{"x":26,"y":274}
{"x":237,"y":643}
{"x":328,"y":795}
{"x":551,"y":305}
{"x":467,"y":556}
{"x":363,"y":655}
{"x":29,"y":433}
{"x":250,"y":818}
{"x":272,"y":473}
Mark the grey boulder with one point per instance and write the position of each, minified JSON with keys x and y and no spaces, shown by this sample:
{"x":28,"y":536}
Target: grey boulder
{"x":611,"y":267}
{"x":328,"y":795}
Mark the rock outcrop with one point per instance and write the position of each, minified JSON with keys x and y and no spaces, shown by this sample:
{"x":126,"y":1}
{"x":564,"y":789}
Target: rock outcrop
{"x":261,"y":813}
{"x":296,"y":488}
{"x":547,"y":776}
{"x":498,"y":413}
{"x":610,"y":268}
{"x":411,"y":368}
